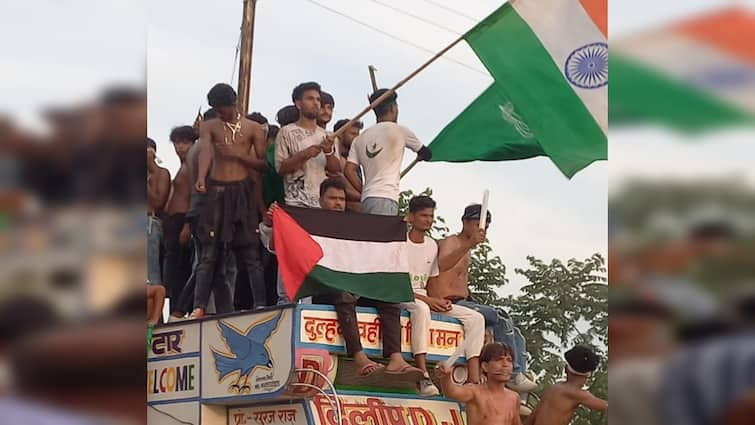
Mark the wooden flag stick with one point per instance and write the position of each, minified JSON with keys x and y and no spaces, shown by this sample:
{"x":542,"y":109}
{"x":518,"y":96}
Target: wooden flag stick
{"x":393,"y":89}
{"x":409,"y":168}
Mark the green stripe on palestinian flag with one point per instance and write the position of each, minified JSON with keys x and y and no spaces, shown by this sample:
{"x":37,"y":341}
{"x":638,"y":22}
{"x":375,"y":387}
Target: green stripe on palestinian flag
{"x":549,"y":60}
{"x":692,"y":75}
{"x":323,"y":251}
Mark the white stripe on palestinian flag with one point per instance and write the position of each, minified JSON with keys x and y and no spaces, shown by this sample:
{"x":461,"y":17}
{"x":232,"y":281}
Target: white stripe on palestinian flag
{"x":562,"y":26}
{"x":695,"y":63}
{"x":363,"y":257}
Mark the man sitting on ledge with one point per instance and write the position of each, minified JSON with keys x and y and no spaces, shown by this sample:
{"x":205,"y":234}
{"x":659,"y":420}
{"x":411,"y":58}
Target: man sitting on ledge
{"x":333,"y":197}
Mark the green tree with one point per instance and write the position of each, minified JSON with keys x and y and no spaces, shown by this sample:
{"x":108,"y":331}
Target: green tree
{"x":564,"y":305}
{"x":561,"y":306}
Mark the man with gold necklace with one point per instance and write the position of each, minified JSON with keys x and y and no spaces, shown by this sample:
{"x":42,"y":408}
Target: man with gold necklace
{"x":235,"y":149}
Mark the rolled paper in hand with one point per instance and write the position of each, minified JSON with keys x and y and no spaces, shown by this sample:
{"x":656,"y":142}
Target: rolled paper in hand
{"x":484,"y":211}
{"x":456,"y":354}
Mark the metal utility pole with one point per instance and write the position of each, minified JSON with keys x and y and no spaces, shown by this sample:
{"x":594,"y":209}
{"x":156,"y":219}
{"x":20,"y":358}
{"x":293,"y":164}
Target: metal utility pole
{"x":245,"y":64}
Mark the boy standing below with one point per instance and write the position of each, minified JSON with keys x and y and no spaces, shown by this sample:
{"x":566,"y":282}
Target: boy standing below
{"x":559,"y":402}
{"x":490,"y":403}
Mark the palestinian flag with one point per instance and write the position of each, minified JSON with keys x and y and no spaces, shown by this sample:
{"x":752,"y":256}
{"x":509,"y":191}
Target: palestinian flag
{"x":694,"y":74}
{"x":323,"y":251}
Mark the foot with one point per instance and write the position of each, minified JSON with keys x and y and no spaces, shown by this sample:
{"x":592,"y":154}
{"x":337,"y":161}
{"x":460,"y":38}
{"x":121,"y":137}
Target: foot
{"x":368,"y":367}
{"x":521,"y":384}
{"x":235,"y":388}
{"x":198,"y":313}
{"x":426,"y":388}
{"x":404,"y":370}
{"x":245,"y":389}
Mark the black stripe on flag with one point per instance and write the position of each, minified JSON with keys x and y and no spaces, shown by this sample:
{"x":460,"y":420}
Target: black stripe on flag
{"x":349,"y":225}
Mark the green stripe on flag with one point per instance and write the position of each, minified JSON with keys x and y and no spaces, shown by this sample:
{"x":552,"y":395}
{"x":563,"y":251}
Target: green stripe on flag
{"x":468,"y":137}
{"x":639,"y":93}
{"x":390,"y":287}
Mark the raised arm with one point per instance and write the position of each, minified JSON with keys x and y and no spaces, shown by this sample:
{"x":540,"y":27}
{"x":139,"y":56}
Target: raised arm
{"x":448,"y":257}
{"x":588,"y":400}
{"x":459,"y":393}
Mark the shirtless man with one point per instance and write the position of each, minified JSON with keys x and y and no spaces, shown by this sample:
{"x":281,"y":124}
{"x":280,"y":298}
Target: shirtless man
{"x":353,"y":196}
{"x":234,"y":146}
{"x":490,"y":403}
{"x":559,"y":402}
{"x":454,"y":253}
{"x":225,"y":271}
{"x":177,"y":250}
{"x":158,"y":189}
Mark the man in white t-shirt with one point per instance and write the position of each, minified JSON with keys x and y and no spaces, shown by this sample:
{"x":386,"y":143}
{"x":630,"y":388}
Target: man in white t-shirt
{"x":423,"y":268}
{"x":380,"y":150}
{"x":304,"y":152}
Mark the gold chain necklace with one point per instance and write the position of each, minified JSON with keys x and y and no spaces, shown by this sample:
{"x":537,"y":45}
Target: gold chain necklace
{"x":235,"y":129}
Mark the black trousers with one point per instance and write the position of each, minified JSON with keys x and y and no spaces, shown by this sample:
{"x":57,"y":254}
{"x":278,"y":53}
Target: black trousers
{"x":345,"y":304}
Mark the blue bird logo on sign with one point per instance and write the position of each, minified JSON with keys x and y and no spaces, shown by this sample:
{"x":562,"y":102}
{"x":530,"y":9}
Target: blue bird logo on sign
{"x":246,"y":351}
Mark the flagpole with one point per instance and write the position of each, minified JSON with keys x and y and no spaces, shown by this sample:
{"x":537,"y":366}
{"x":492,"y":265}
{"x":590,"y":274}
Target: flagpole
{"x":409,"y":168}
{"x":393,"y":89}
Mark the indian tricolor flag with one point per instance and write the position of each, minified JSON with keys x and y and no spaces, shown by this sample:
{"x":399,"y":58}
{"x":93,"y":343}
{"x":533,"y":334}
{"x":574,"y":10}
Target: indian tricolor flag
{"x":691,"y":75}
{"x":323,"y":251}
{"x":549,"y":59}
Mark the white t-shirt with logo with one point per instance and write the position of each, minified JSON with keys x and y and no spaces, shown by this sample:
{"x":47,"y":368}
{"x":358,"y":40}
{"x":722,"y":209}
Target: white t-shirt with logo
{"x":423,"y":262}
{"x":302,"y":187}
{"x":380,"y":150}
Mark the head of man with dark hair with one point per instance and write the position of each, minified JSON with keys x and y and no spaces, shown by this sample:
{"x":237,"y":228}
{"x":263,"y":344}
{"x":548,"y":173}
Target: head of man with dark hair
{"x":387,"y":110}
{"x":222,"y":97}
{"x":287,"y":115}
{"x":272,"y":133}
{"x":421,"y":213}
{"x":327,"y":104}
{"x":470,"y":220}
{"x":257,"y":117}
{"x":497,"y":362}
{"x":333,"y":194}
{"x":306,"y":97}
{"x":348,"y":135}
{"x":209,"y":114}
{"x":183,"y":139}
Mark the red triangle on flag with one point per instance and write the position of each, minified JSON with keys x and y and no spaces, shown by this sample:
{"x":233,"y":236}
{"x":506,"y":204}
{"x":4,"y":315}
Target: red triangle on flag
{"x":297,"y":252}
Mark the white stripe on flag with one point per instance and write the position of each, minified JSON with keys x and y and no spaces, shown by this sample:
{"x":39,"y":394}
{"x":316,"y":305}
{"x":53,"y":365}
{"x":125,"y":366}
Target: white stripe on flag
{"x":698,"y":64}
{"x":563,"y":26}
{"x":363,"y":257}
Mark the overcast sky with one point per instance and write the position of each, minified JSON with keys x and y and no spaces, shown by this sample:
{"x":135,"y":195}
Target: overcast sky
{"x":65,"y":50}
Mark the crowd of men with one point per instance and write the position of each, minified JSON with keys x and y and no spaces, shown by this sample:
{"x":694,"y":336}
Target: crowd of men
{"x":213,"y":220}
